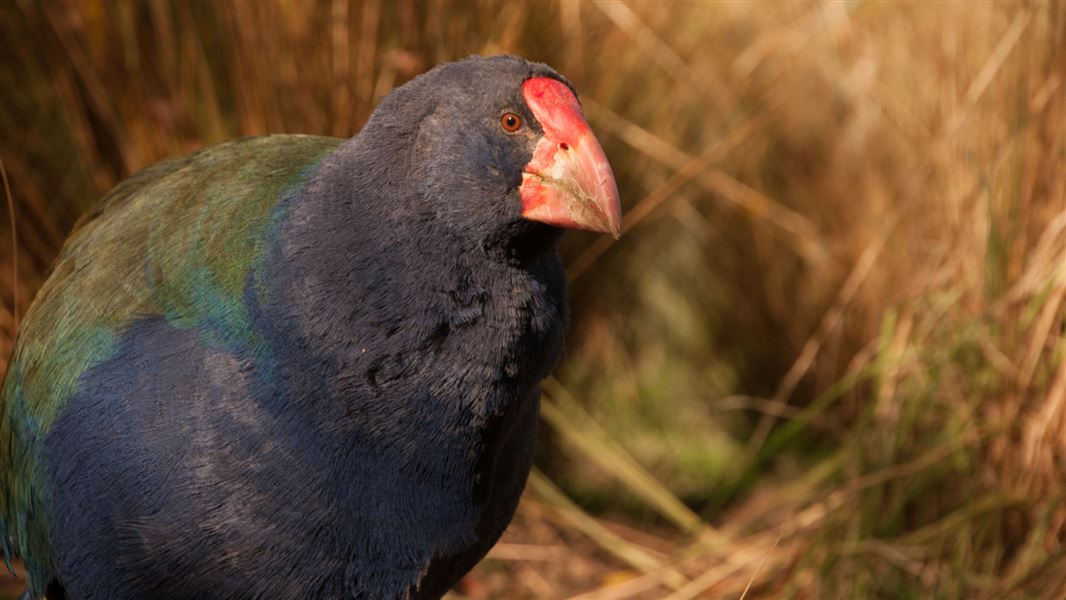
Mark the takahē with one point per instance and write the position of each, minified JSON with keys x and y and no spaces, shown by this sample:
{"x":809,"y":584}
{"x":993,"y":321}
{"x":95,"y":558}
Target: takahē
{"x":302,"y":367}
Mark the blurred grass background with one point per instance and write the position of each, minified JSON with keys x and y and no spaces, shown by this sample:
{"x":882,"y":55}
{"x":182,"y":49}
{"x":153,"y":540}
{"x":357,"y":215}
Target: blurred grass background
{"x":826,"y":360}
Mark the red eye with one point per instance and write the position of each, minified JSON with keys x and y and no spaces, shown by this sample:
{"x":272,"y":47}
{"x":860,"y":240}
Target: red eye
{"x":511,"y":122}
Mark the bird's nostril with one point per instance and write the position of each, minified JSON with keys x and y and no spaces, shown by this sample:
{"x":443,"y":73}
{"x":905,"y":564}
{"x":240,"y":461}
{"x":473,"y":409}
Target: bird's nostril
{"x":564,"y":146}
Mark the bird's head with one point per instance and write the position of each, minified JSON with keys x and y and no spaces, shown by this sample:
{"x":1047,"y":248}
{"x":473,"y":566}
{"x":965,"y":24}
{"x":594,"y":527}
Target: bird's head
{"x":500,"y":146}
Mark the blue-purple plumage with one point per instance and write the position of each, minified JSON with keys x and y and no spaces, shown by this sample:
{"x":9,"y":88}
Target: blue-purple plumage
{"x":346,"y":407}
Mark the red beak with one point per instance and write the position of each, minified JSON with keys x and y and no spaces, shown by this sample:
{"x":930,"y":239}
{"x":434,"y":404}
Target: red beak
{"x":569,"y":182}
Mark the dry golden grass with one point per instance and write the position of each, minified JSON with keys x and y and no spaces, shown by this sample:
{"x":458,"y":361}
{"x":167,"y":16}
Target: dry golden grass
{"x":827,"y":358}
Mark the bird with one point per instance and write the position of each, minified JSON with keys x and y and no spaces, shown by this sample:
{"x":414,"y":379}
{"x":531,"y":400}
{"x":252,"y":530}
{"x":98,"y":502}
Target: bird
{"x":292,"y":366}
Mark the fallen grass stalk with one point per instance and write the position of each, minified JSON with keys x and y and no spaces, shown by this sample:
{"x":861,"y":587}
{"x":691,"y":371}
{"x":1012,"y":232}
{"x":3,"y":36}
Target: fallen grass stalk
{"x":755,"y":575}
{"x":563,"y":413}
{"x":627,"y":551}
{"x":14,"y":248}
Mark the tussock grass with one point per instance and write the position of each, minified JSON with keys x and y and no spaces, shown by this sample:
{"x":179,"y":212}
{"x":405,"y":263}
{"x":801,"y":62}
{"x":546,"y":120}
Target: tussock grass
{"x":827,"y":358}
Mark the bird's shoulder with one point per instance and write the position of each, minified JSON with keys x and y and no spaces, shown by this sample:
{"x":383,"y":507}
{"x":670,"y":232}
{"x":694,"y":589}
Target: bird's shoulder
{"x":177,"y":240}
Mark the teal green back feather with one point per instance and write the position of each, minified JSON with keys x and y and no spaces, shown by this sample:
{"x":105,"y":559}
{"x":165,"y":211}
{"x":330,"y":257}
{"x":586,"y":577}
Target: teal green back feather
{"x":178,"y":239}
